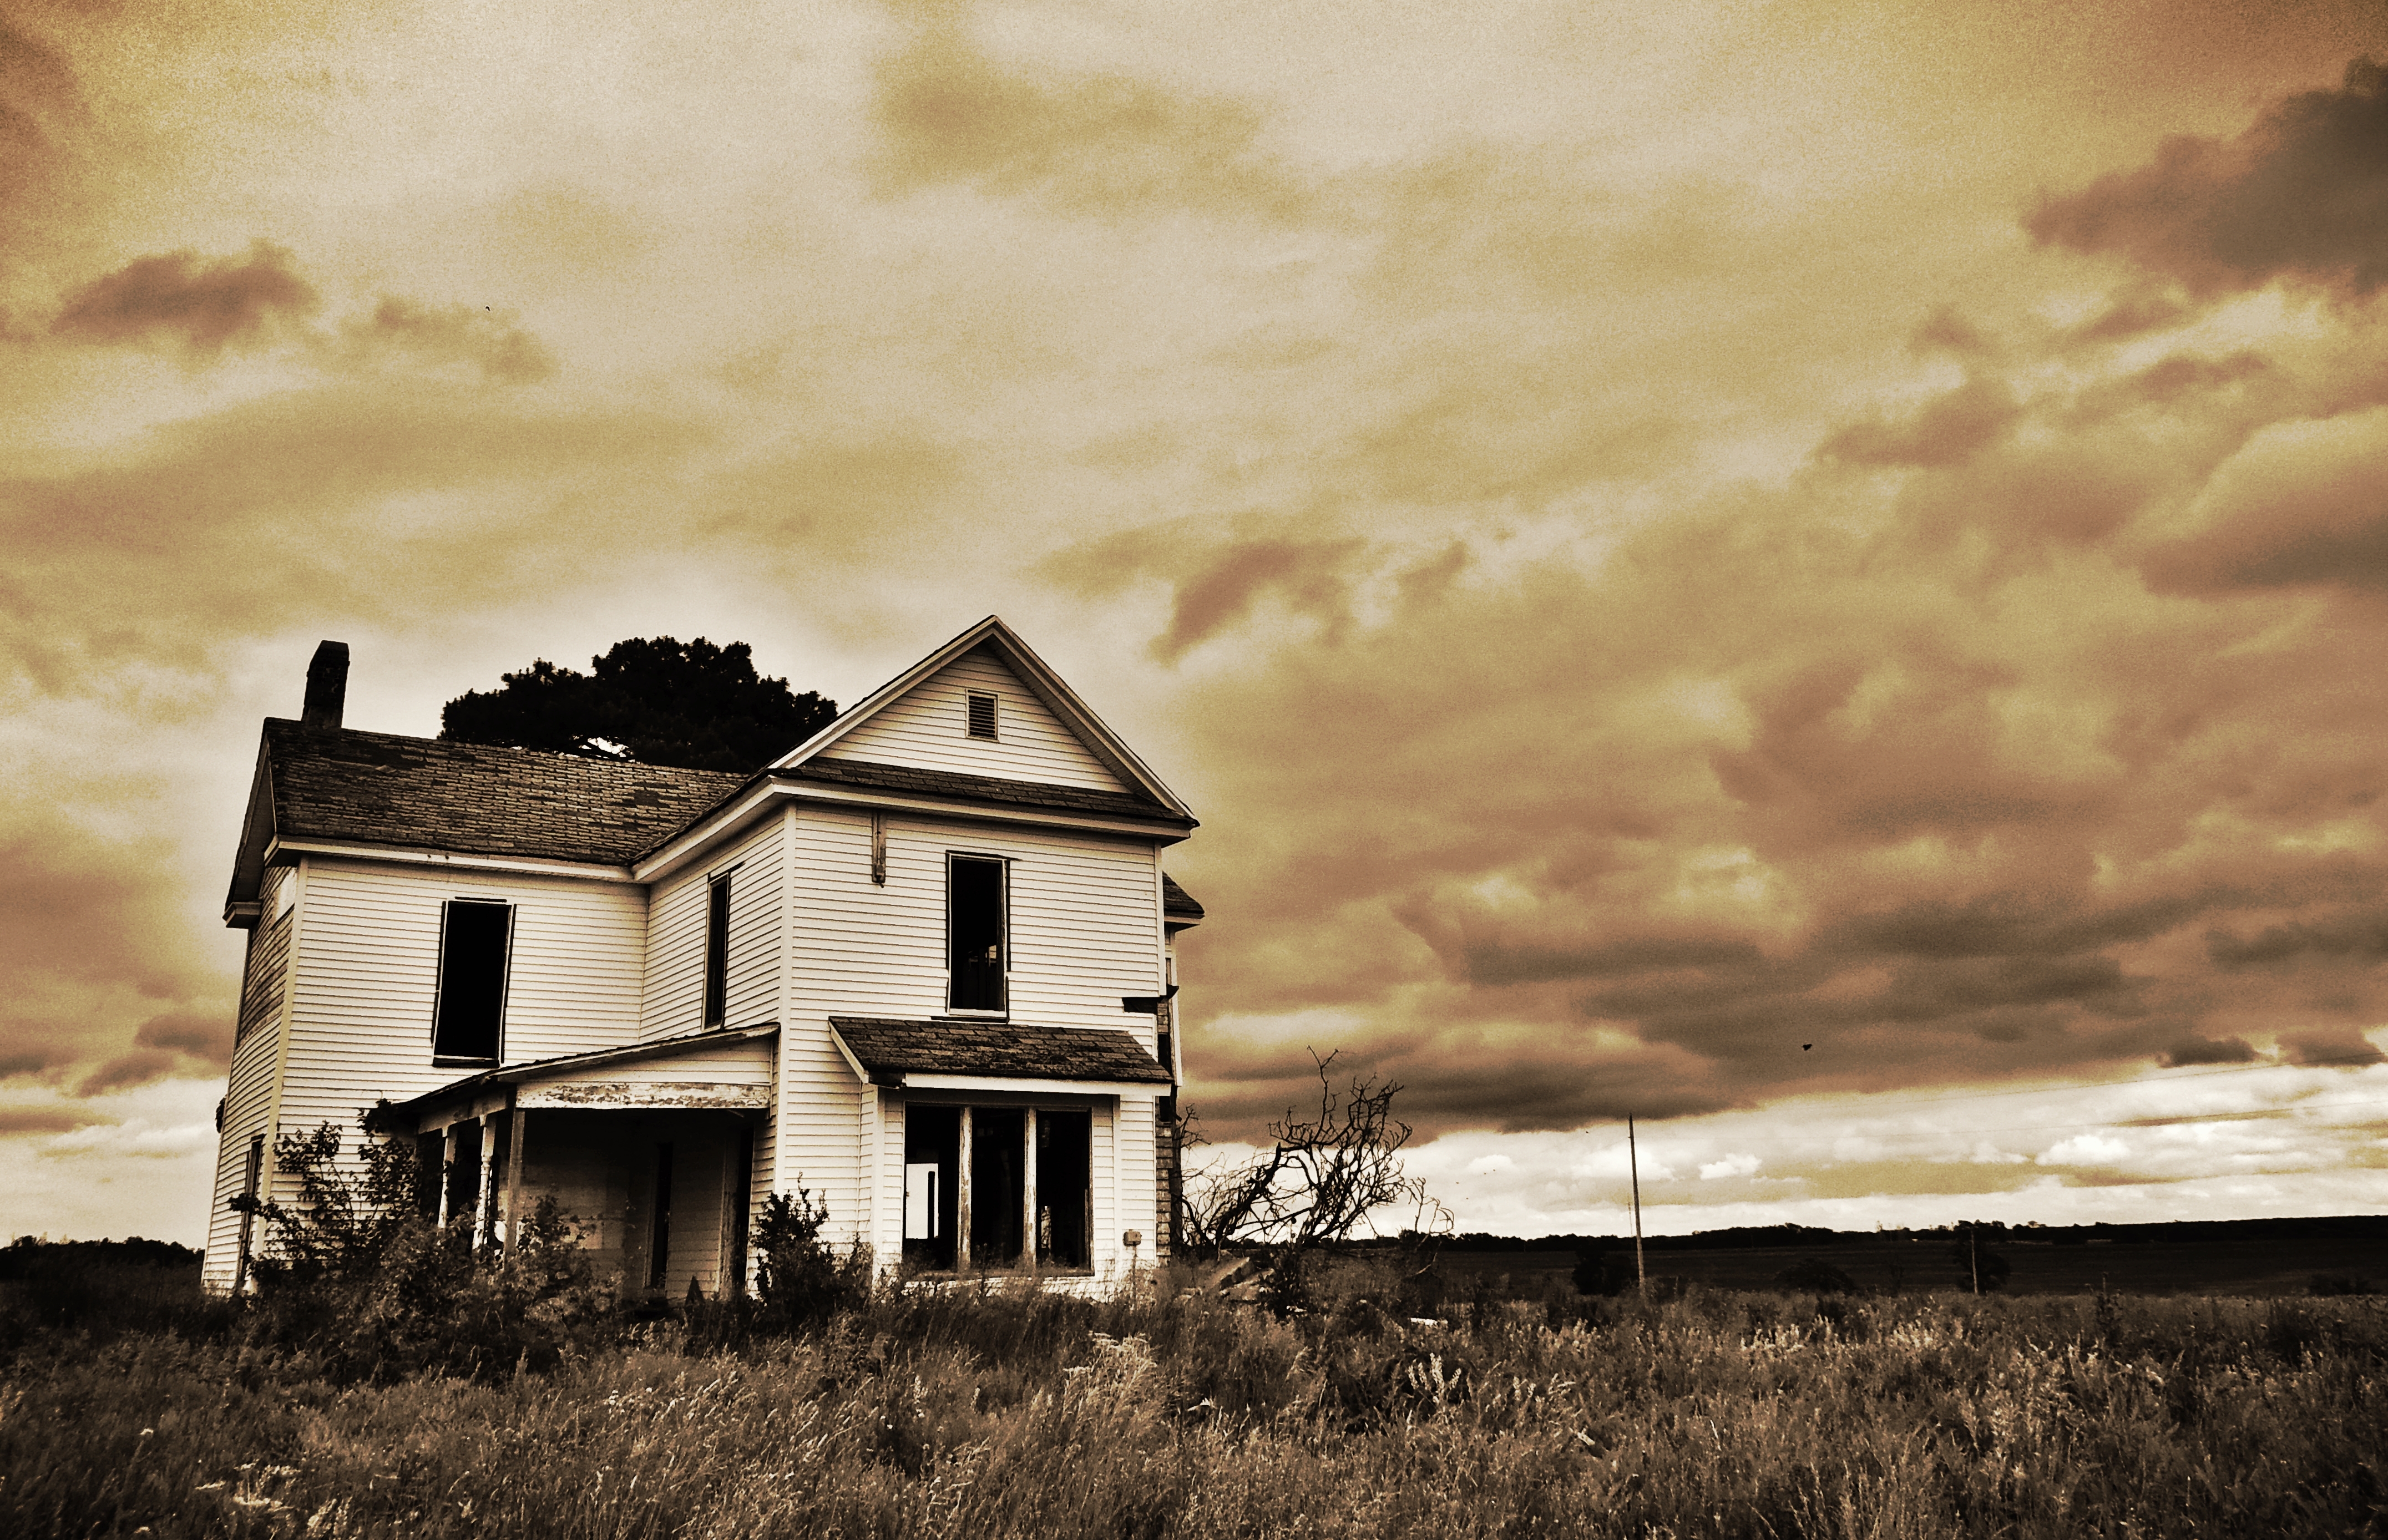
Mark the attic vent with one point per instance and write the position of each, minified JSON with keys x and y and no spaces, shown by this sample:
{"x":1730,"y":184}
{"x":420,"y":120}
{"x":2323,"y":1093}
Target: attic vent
{"x":981,"y":716}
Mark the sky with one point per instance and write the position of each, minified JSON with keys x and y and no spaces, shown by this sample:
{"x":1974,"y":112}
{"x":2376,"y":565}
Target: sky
{"x":1812,"y":576}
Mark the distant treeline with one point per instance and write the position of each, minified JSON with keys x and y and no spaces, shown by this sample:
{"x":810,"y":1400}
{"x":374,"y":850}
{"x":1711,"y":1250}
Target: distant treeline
{"x":2352,"y":1227}
{"x":27,"y":1258}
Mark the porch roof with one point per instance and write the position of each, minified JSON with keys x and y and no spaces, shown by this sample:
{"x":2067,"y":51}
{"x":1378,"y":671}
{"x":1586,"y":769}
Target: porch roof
{"x":888,"y":1051}
{"x":731,"y":1069}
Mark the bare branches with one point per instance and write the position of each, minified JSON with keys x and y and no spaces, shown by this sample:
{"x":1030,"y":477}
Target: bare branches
{"x":1325,"y":1179}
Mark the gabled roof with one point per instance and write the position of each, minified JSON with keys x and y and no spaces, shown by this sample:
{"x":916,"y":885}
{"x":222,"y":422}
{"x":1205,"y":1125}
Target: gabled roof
{"x":1040,"y":680}
{"x":888,"y":1051}
{"x":976,"y":788}
{"x":428,"y":793}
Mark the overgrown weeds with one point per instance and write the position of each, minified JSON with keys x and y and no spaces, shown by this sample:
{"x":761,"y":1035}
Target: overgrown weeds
{"x":1002,"y":1412}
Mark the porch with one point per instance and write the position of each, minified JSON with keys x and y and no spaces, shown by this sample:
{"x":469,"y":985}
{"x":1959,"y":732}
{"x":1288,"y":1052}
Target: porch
{"x":648,"y":1152}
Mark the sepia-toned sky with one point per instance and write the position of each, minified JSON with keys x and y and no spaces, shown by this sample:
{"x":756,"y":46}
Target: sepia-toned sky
{"x":1814,"y":575}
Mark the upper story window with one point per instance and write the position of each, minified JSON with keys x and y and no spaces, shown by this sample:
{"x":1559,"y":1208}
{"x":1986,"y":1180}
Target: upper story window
{"x":716,"y":950}
{"x":976,"y":954}
{"x":981,"y":716}
{"x":475,"y":938}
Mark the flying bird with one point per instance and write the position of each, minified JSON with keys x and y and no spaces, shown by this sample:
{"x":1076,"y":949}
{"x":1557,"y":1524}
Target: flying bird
{"x":1805,"y":1047}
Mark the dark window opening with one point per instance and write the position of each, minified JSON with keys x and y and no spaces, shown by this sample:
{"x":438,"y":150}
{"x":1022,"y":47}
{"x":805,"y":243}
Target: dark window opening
{"x":659,"y":1240}
{"x":430,"y":1154}
{"x":741,"y":1199}
{"x":1065,"y":1193}
{"x":974,"y":931}
{"x":981,"y":716}
{"x":465,"y":1172}
{"x":998,"y":1139}
{"x":717,"y":953}
{"x":933,"y":1139}
{"x":472,"y":1002}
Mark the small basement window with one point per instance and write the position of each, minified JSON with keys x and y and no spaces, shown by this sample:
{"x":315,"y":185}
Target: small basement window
{"x":981,"y":716}
{"x":467,"y":1021}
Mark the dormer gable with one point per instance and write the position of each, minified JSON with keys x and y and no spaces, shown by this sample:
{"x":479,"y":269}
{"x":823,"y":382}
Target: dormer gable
{"x":986,"y":706}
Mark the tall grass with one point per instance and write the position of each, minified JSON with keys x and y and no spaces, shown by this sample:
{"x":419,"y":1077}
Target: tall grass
{"x":1000,"y":1414}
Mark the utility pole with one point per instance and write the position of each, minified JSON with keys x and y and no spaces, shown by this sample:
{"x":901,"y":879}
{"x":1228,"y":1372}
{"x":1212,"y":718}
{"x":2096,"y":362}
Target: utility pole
{"x":1634,"y":1165}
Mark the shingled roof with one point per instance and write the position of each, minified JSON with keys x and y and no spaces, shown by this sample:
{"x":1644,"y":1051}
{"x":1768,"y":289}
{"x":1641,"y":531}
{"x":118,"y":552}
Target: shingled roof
{"x":424,"y":794}
{"x":1175,"y":902}
{"x":888,"y":1051}
{"x":958,"y":786}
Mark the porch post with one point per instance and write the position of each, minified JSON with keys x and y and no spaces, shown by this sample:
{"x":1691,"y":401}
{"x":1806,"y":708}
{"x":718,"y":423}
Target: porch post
{"x":447,"y":1169}
{"x":962,"y":1199}
{"x":516,"y":1119}
{"x":1028,"y":1192}
{"x":485,"y":1196}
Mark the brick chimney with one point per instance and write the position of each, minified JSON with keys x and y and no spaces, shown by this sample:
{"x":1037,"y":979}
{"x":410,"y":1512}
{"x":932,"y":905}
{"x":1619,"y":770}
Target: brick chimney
{"x":327,"y":685}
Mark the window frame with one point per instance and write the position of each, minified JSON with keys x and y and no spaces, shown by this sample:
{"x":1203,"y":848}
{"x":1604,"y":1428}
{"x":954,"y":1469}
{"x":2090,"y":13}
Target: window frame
{"x":1003,"y":935}
{"x":505,"y":982}
{"x":717,"y":949}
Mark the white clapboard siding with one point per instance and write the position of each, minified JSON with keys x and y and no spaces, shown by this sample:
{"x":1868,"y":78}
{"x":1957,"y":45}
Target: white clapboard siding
{"x":1085,"y":932}
{"x":248,"y":1090}
{"x":367,"y":975}
{"x":1136,"y":1171}
{"x":927,"y":728}
{"x":674,"y":1001}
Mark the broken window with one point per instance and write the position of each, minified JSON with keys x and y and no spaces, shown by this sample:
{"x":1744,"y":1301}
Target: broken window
{"x":981,"y":716}
{"x":464,"y":1171}
{"x":1029,"y":1199}
{"x":1066,"y":1196}
{"x":716,"y":951}
{"x":974,"y":927}
{"x":474,"y":939}
{"x":250,"y":1177}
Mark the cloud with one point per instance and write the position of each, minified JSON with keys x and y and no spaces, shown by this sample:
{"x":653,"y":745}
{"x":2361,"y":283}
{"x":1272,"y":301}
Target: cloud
{"x":1948,"y":429}
{"x":1105,"y":145}
{"x":44,"y":1120}
{"x":2302,"y":195}
{"x":2303,"y":503}
{"x":2337,"y":1050}
{"x":204,"y":1035}
{"x":205,"y":305}
{"x":2208,"y":1050}
{"x":495,"y":345}
{"x":140,"y":1068}
{"x":136,"y":1139}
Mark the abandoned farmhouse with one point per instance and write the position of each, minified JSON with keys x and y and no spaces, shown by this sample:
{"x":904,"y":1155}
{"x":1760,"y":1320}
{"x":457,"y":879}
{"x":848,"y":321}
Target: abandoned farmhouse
{"x":922,"y":966}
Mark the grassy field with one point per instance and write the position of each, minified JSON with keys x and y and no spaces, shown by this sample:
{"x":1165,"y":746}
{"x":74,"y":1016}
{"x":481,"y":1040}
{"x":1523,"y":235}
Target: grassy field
{"x":1723,"y":1414}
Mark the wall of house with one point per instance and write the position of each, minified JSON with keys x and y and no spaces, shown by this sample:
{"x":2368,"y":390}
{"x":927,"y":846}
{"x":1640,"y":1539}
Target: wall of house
{"x":1085,"y":931}
{"x":249,"y":1090}
{"x":367,"y":974}
{"x":928,"y":727}
{"x":674,"y":1001}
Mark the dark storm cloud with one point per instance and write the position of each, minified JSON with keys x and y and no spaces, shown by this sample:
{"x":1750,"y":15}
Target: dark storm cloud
{"x":2360,"y":937}
{"x":140,"y":1068}
{"x":204,"y":305}
{"x":2339,"y":1049}
{"x":2208,"y":1050}
{"x":2302,"y":194}
{"x":203,"y":1035}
